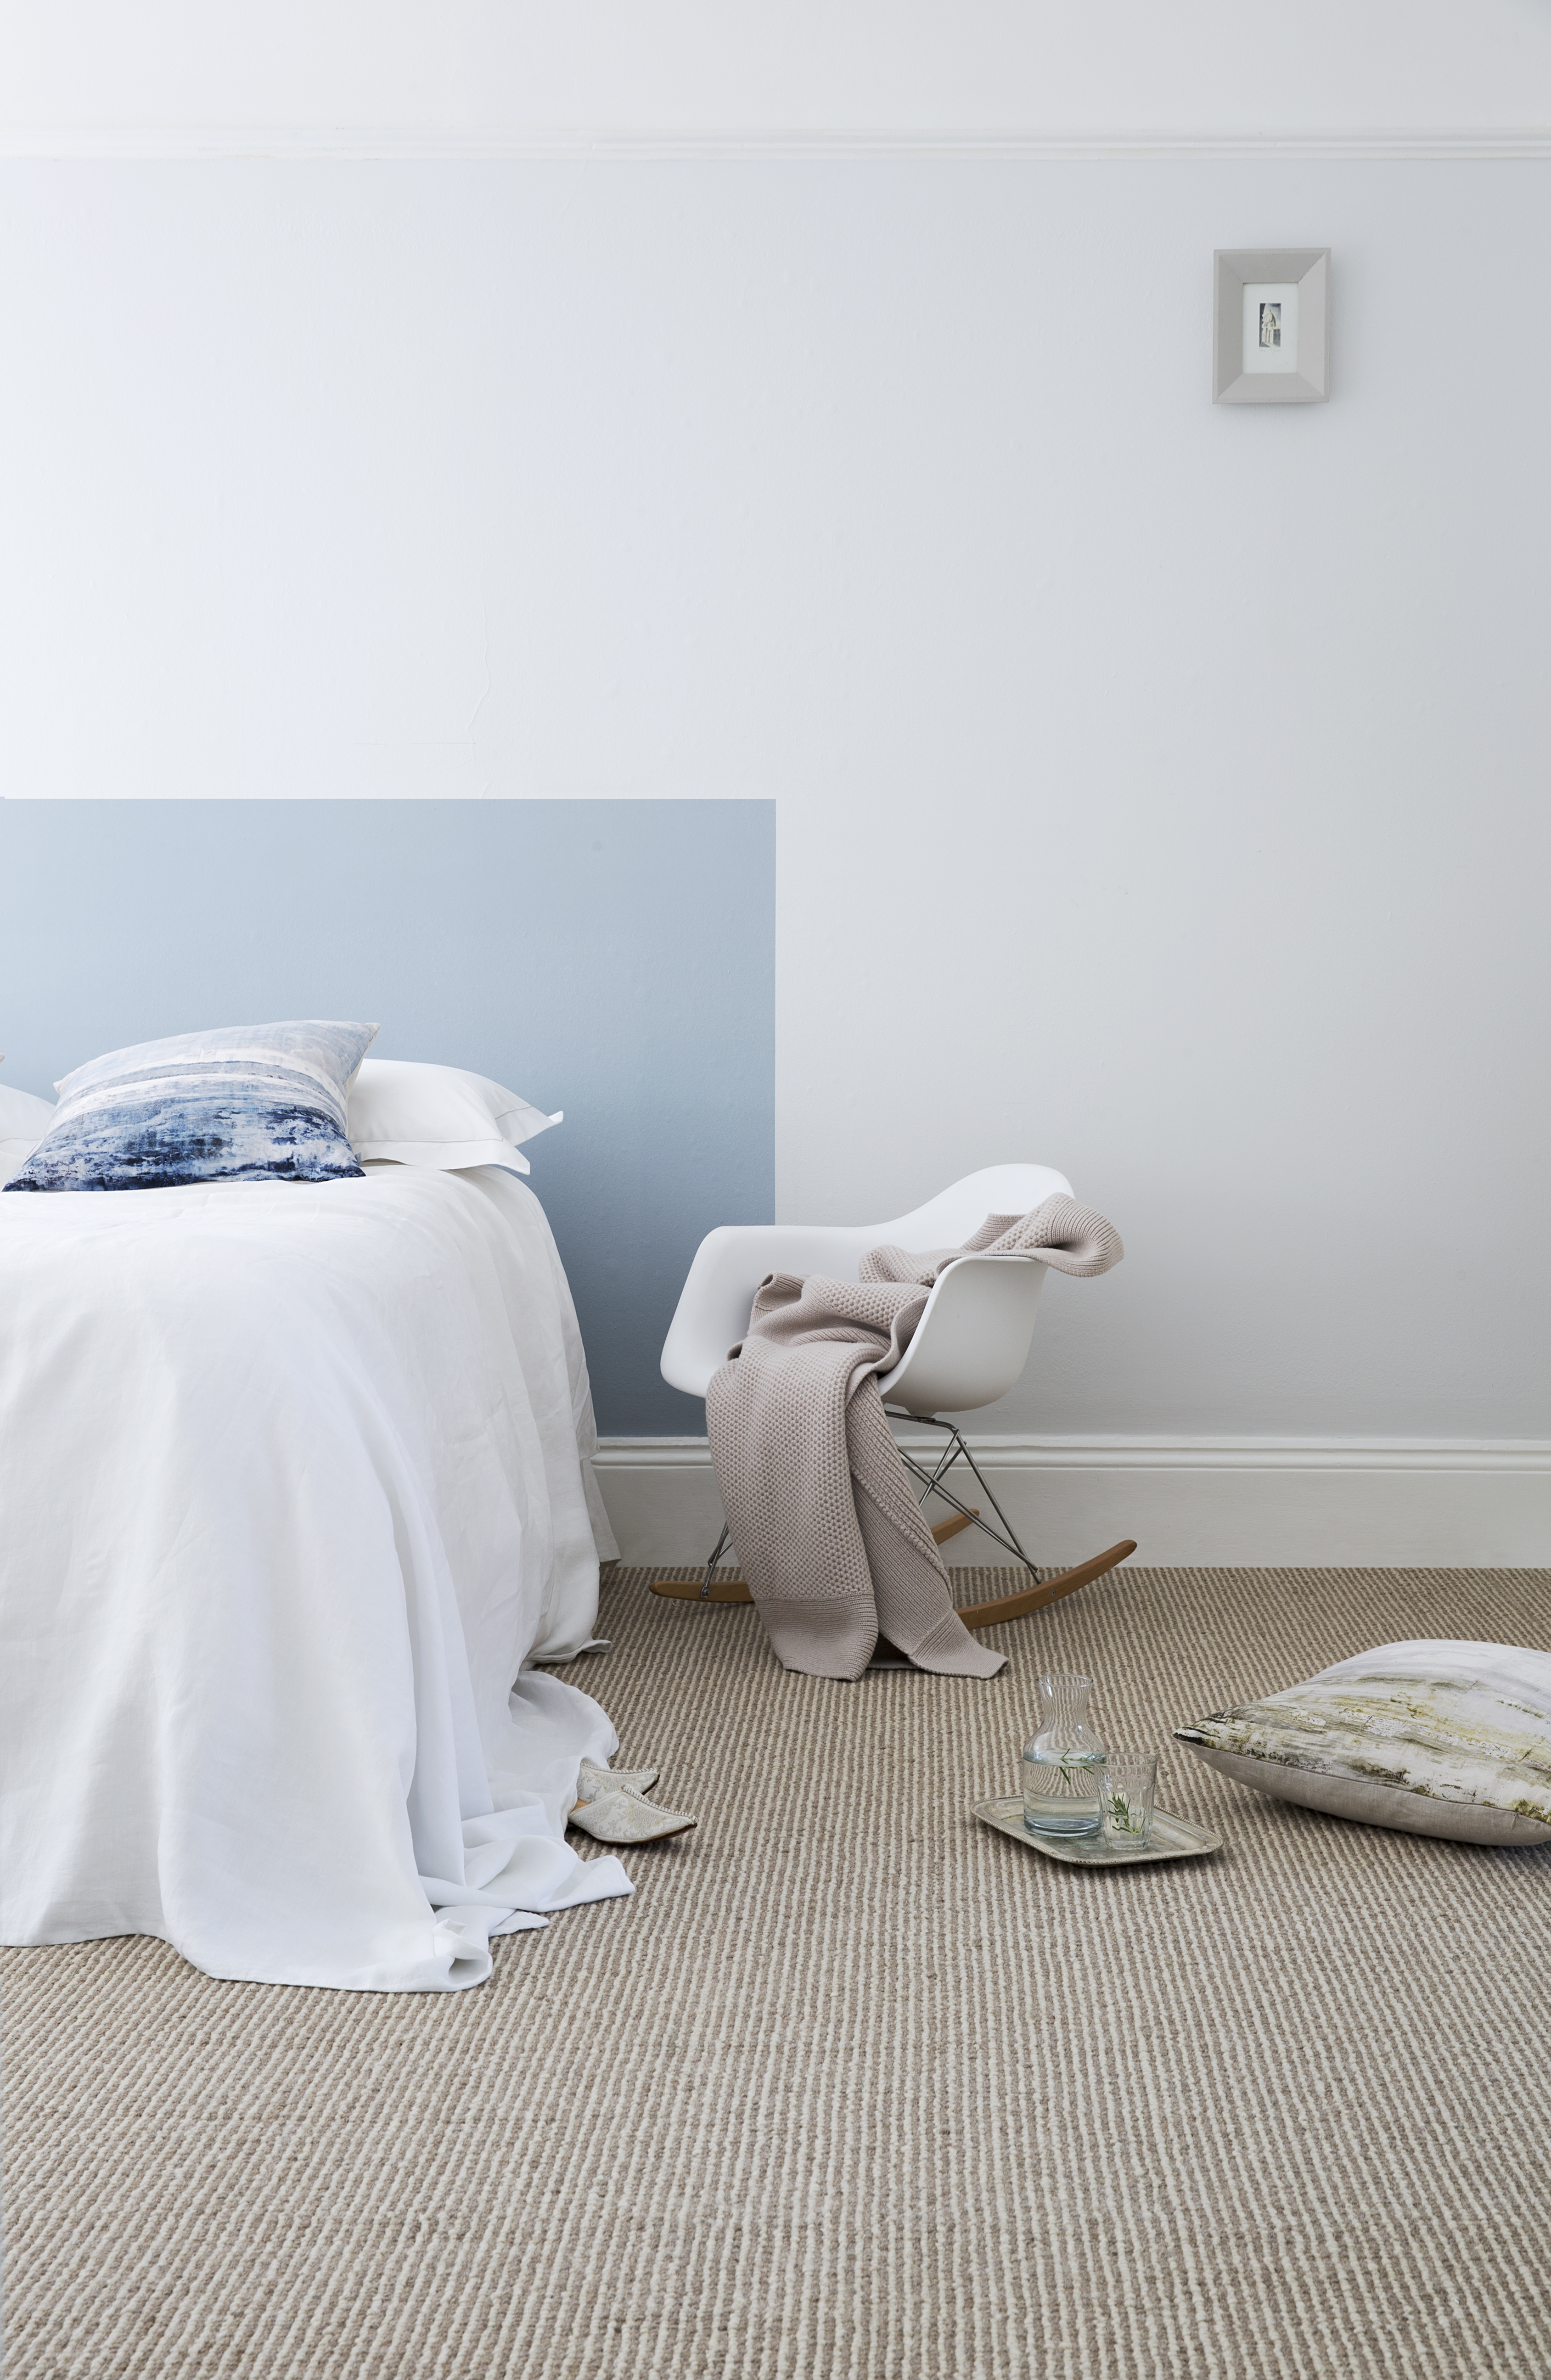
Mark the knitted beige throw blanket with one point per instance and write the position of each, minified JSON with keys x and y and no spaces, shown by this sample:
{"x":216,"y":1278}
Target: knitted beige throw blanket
{"x":836,"y":1554}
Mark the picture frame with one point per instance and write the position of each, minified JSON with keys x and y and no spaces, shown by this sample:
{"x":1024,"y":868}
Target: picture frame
{"x":1271,"y":326}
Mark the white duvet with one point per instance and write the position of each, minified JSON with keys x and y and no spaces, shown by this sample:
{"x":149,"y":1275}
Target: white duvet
{"x":290,"y":1490}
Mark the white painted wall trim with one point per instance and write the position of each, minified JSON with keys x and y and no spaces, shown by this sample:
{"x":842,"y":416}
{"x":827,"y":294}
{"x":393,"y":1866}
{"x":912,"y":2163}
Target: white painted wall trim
{"x":458,"y":141}
{"x":1231,"y":1501}
{"x":1009,"y":1453}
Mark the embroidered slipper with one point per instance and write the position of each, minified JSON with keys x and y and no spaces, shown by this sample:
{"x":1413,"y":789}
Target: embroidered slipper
{"x":594,"y":1780}
{"x":627,"y":1818}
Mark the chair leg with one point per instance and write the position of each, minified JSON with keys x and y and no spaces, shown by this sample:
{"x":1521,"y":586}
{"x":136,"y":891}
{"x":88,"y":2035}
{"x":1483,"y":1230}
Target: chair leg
{"x":735,"y":1590}
{"x":980,"y":1615}
{"x":717,"y":1552}
{"x":953,"y":1452}
{"x":711,"y":1589}
{"x":1030,"y":1598}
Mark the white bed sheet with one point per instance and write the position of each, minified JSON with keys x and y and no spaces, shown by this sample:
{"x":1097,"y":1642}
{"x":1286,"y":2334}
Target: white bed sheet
{"x":292,"y":1485}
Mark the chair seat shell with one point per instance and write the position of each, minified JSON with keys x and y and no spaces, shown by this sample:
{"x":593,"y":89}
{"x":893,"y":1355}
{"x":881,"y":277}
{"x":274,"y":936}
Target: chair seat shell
{"x":971,"y":1341}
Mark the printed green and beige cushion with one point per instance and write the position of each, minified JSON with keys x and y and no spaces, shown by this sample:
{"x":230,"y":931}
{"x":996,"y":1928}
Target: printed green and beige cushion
{"x":1435,"y":1737}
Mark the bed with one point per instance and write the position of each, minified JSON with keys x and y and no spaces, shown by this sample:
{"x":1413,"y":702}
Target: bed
{"x":296,"y":1491}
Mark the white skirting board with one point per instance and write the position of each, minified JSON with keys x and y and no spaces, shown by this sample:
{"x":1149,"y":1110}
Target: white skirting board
{"x":1229,"y":1502}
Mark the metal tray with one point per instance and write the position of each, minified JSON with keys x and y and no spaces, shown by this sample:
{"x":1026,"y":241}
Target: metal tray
{"x":1169,"y":1839}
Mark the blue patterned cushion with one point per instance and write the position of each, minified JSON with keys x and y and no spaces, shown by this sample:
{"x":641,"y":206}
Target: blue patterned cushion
{"x":254,"y":1103}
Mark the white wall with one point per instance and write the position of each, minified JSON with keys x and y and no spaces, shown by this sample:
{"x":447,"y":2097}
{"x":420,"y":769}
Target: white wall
{"x":1163,"y":786}
{"x":322,"y":67}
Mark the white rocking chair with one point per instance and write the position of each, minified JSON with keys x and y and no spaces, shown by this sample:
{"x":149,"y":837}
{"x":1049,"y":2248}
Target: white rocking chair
{"x":969,"y":1348}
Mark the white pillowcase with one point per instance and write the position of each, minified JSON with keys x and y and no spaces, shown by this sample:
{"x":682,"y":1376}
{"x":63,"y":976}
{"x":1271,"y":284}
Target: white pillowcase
{"x":1435,"y":1736}
{"x":440,"y":1116}
{"x":24,"y":1119}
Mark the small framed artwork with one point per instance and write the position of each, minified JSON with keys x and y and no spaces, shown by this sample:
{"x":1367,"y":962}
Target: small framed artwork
{"x":1271,"y":336}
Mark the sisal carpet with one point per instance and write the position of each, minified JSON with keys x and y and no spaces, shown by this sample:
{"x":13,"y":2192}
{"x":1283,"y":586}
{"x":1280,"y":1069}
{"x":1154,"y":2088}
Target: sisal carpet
{"x":854,"y":2085}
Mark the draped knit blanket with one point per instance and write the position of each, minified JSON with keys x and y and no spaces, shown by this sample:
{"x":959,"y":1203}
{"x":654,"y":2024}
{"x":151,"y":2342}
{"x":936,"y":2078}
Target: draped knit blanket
{"x":837,"y":1556}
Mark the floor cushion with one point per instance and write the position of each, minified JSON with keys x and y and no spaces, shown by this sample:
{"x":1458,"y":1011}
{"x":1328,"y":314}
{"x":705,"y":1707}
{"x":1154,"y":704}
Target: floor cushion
{"x":1435,"y":1737}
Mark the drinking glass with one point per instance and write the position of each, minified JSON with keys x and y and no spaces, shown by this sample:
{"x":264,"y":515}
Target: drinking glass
{"x":1126,"y":1785}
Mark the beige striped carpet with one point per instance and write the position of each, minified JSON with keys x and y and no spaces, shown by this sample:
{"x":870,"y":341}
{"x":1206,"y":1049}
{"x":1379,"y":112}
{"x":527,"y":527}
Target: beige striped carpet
{"x":854,"y":2085}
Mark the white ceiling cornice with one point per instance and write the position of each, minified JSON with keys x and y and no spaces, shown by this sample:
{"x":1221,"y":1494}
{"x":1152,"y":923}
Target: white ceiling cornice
{"x":461,"y":141}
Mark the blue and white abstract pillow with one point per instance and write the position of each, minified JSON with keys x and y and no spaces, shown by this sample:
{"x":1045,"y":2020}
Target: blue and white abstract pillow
{"x":248,"y":1103}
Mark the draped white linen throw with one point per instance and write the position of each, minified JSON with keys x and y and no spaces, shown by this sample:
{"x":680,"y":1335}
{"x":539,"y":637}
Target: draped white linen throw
{"x":293,"y":1485}
{"x":834,"y":1549}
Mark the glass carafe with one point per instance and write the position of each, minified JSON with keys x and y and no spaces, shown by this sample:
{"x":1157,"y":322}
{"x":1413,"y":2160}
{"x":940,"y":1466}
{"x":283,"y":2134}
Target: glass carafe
{"x":1062,"y":1761}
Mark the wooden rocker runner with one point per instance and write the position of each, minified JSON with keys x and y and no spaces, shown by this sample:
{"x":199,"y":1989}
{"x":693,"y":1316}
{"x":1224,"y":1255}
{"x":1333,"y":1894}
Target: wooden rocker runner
{"x":711,"y":1589}
{"x":975,"y":1615}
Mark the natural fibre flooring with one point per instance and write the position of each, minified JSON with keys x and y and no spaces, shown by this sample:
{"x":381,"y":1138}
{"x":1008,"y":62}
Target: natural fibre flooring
{"x":852,"y":2086}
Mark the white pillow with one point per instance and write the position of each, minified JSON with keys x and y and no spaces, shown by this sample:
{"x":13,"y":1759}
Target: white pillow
{"x":1431,"y":1736}
{"x":24,"y":1119}
{"x":24,"y":1116}
{"x":440,"y":1116}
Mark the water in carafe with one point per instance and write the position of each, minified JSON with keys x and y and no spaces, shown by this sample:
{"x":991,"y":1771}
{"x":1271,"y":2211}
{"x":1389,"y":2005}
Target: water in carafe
{"x":1062,"y":1762}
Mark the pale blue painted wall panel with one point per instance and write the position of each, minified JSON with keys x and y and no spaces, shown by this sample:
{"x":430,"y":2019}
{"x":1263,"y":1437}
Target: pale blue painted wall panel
{"x":614,"y":958}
